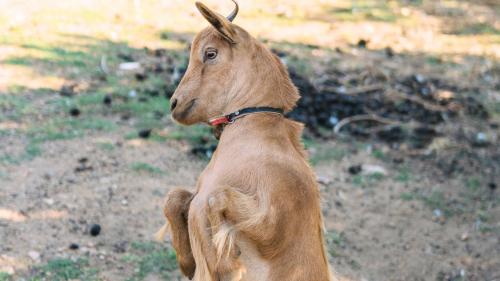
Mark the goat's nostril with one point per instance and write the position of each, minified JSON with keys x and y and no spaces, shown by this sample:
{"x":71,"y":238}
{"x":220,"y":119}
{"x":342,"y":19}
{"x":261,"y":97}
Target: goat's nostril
{"x":173,"y":104}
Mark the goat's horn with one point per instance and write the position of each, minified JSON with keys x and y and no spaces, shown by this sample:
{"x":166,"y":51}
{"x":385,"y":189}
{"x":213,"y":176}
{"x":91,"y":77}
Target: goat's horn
{"x":234,"y":12}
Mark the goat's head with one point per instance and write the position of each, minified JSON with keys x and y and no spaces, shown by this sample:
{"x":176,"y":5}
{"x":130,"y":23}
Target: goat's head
{"x":228,"y":70}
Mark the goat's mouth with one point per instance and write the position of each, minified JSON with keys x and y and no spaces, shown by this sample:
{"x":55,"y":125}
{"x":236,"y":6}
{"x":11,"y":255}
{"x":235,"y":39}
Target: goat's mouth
{"x":181,"y":113}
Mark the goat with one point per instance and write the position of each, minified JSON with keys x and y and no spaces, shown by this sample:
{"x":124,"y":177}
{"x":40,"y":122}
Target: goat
{"x":255,"y":214}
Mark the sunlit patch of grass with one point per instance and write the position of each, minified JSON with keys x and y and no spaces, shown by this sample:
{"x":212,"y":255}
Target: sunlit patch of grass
{"x":365,"y":11}
{"x":151,"y":258}
{"x":63,"y":269}
{"x":476,"y":29}
{"x":141,"y":167}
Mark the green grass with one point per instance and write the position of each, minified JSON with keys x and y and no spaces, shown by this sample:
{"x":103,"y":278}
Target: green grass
{"x":106,"y":146}
{"x":365,"y":11}
{"x":379,"y":154}
{"x":335,"y":241}
{"x":476,"y":29}
{"x":327,"y":154}
{"x":62,"y":269}
{"x":434,"y":200}
{"x":403,"y":175}
{"x":31,"y":151}
{"x":13,"y":107}
{"x":68,"y":128}
{"x":407,"y":196}
{"x":367,"y":180}
{"x":473,"y":184}
{"x":141,"y":167}
{"x":4,"y":276}
{"x":151,"y":258}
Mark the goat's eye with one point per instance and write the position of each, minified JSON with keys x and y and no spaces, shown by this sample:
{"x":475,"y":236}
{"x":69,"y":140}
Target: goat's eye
{"x":210,"y":54}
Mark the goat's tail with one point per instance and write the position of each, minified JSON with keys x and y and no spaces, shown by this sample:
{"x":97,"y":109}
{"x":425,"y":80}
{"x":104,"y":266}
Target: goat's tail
{"x":162,"y":232}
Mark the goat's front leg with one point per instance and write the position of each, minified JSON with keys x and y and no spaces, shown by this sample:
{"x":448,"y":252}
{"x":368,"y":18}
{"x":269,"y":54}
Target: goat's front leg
{"x":176,"y":211}
{"x":213,"y":242}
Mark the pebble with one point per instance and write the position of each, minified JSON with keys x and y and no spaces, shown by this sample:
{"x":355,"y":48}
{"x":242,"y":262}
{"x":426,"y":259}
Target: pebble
{"x":373,"y":169}
{"x":323,"y":180}
{"x":465,"y":236}
{"x":49,"y":201}
{"x":34,"y":255}
{"x":107,"y":100}
{"x":74,"y":112}
{"x":95,"y":229}
{"x":146,"y":133}
{"x":74,"y":246}
{"x":354,"y":170}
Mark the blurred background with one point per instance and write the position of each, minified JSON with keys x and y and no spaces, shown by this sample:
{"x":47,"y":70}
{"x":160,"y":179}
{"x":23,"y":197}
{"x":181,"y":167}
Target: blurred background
{"x":401,"y":101}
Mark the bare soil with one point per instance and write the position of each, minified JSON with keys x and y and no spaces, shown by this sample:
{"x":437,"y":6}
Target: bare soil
{"x":373,"y":232}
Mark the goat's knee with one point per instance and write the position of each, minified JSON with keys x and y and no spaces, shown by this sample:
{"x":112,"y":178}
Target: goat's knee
{"x":176,"y":211}
{"x":177,"y":203}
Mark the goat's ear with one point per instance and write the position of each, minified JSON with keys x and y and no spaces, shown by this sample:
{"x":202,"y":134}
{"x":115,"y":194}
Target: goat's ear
{"x":220,"y":23}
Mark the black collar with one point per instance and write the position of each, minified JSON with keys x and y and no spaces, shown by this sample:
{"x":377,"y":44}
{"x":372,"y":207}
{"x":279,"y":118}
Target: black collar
{"x":228,"y":119}
{"x":220,"y":122}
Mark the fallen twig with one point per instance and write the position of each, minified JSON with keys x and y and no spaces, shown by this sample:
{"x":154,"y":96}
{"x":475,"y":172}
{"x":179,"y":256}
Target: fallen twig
{"x":427,"y":105}
{"x":364,"y":117}
{"x":358,"y":90}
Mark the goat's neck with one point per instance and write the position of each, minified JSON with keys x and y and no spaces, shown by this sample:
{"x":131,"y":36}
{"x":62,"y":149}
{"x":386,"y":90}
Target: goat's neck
{"x":259,"y":127}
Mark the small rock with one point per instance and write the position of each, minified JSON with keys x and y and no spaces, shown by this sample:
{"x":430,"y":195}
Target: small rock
{"x":107,"y":100}
{"x":128,"y":66}
{"x":34,"y":255}
{"x":323,"y":180}
{"x":464,"y":237}
{"x":141,"y":76}
{"x":389,"y":52}
{"x":437,"y":213}
{"x":362,"y":43}
{"x":95,"y":229}
{"x":124,"y":202}
{"x":373,"y":169}
{"x":74,"y":246}
{"x":132,"y":94}
{"x":74,"y":112}
{"x":146,"y":133}
{"x":480,"y":140}
{"x":68,"y":90}
{"x":49,"y":201}
{"x":354,"y":170}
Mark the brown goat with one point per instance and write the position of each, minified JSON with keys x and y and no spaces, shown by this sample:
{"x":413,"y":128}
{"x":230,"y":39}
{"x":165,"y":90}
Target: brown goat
{"x":255,"y":214}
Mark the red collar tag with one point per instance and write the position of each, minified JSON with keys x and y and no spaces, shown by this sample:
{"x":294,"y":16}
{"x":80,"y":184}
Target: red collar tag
{"x":219,"y":121}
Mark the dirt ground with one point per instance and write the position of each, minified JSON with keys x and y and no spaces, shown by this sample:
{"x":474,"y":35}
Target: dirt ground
{"x":88,"y":150}
{"x":374,"y":233}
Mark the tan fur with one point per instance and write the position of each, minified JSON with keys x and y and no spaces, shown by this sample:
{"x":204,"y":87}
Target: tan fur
{"x":255,"y":214}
